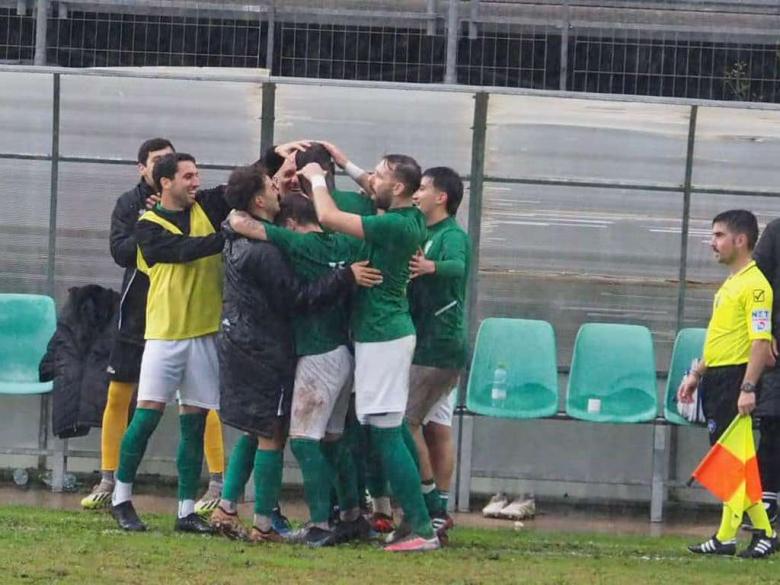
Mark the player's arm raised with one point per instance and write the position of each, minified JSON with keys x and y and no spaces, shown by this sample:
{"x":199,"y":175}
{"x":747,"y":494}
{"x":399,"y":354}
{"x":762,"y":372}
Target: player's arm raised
{"x":330,"y":216}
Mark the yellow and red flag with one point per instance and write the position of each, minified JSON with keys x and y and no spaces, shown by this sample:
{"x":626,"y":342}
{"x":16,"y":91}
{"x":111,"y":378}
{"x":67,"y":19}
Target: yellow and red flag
{"x":730,"y":469}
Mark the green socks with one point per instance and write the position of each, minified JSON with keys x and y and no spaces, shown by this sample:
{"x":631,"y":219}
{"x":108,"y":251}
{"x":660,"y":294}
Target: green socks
{"x":189,"y":459}
{"x":410,"y":443}
{"x":268,"y":480}
{"x":355,"y":442}
{"x":404,"y":477}
{"x":134,"y":442}
{"x":343,"y":473}
{"x":240,"y":464}
{"x":316,"y":477}
{"x":376,"y":479}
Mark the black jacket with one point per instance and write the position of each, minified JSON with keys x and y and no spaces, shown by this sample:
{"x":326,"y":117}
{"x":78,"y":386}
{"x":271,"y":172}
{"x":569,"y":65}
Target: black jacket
{"x":135,"y":284}
{"x":77,"y":358}
{"x":767,"y":257}
{"x":124,"y":244}
{"x":255,"y":343}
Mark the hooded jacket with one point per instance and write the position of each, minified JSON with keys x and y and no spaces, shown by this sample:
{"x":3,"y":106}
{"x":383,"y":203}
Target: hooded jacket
{"x":255,"y":344}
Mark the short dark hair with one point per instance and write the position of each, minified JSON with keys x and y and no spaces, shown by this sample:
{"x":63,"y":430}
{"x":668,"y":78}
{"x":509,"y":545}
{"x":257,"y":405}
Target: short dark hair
{"x":740,"y":221}
{"x":406,"y":170}
{"x":447,"y":180}
{"x":167,"y":167}
{"x":271,"y":161}
{"x":298,"y":207}
{"x":243,"y":185}
{"x":150,"y":146}
{"x":316,"y":153}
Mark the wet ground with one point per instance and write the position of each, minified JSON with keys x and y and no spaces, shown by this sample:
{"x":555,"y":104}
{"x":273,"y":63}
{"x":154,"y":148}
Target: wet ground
{"x":552,"y":518}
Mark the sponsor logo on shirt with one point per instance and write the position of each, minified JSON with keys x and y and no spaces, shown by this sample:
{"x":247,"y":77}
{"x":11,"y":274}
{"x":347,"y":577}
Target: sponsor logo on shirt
{"x":759,"y":295}
{"x":761,"y":320}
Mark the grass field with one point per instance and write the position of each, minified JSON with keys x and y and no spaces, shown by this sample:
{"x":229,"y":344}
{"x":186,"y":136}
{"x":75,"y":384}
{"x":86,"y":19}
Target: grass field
{"x":45,"y":546}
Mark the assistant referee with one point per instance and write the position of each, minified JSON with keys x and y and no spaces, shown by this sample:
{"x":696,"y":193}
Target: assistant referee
{"x":736,"y":349}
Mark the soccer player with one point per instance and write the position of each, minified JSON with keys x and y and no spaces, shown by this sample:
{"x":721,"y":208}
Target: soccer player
{"x":125,"y":359}
{"x":736,"y":349}
{"x":437,"y":295}
{"x":258,"y":360}
{"x":179,"y":248}
{"x":382,"y":326}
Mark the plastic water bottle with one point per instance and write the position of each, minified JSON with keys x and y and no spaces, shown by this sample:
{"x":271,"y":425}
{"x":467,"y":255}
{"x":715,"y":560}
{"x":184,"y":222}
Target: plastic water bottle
{"x":21,"y":477}
{"x":498,"y":391}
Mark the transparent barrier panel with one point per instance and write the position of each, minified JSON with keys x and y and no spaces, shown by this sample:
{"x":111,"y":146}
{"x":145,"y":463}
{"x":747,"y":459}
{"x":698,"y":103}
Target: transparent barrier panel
{"x":87,"y":195}
{"x":737,"y":148}
{"x":24,"y":225}
{"x":25,"y":113}
{"x":533,"y":137}
{"x":434,"y":127}
{"x":704,"y":273}
{"x":571,"y":256}
{"x":217,"y":122}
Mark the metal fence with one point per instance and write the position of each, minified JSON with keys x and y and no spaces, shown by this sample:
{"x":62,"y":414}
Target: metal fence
{"x":580,"y":209}
{"x":723,"y":50}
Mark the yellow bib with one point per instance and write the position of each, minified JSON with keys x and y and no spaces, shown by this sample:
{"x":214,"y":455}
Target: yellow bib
{"x":184,"y":300}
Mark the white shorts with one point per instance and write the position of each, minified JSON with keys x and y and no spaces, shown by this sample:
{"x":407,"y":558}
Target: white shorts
{"x":441,"y":412}
{"x":323,"y":384}
{"x":382,"y":376}
{"x":189,"y":366}
{"x":427,"y":386}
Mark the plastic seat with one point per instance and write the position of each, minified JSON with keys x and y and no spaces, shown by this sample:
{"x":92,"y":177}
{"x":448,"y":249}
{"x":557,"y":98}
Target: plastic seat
{"x":526,"y":349}
{"x":612,"y":375}
{"x":27,"y":323}
{"x":688,"y":345}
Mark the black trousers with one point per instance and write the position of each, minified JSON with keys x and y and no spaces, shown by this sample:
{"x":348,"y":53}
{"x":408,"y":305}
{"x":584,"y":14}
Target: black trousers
{"x":720,"y":391}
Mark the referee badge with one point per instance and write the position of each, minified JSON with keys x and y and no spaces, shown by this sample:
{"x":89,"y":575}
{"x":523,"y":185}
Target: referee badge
{"x":761,"y":320}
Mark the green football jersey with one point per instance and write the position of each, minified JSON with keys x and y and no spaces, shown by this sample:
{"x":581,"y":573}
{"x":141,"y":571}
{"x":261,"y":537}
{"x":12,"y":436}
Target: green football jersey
{"x":381,"y":313}
{"x":437,"y":300}
{"x":312,"y":255}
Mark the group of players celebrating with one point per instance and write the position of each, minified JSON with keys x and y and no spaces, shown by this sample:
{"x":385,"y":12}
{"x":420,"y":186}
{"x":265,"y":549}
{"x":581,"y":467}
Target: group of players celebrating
{"x":289,"y":309}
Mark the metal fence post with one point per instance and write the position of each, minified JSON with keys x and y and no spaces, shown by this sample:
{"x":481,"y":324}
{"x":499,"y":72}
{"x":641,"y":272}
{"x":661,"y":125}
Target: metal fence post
{"x":43,"y":423}
{"x":430,"y":11}
{"x":685,"y":216}
{"x":477,"y":174}
{"x":41,"y":19}
{"x":451,"y":71}
{"x":564,"y":72}
{"x":269,"y":45}
{"x":473,"y":18}
{"x":267,"y":117}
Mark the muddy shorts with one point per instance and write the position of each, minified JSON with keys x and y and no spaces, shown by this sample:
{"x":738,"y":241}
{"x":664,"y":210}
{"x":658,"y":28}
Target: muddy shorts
{"x":323,"y":384}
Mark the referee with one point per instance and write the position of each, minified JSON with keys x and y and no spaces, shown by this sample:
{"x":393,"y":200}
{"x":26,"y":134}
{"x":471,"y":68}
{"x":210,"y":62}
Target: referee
{"x":736,"y":349}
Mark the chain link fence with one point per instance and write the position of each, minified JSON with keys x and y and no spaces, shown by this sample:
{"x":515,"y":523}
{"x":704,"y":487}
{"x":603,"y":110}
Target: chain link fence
{"x":697,"y":49}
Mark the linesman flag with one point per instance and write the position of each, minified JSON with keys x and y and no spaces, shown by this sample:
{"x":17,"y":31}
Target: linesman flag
{"x":730,"y":469}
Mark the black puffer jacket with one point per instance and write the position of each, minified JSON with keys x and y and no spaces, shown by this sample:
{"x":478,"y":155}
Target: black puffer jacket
{"x":135,"y":284}
{"x":77,"y":358}
{"x":255,"y":343}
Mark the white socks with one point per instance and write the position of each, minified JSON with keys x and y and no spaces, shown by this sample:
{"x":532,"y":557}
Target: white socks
{"x":122,"y":492}
{"x":186,"y":507}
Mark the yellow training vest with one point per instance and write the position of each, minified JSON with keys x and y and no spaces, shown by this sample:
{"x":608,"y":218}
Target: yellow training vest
{"x":184,"y":300}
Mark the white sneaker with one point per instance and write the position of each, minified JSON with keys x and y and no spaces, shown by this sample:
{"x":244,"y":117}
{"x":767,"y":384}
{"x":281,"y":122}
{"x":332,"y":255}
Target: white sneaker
{"x":495,"y":505}
{"x":519,"y":509}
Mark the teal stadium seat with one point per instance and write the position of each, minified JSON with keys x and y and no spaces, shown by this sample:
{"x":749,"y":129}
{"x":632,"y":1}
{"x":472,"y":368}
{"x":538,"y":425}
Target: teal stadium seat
{"x":612,"y":375}
{"x":27,"y":323}
{"x":688,"y":346}
{"x":526,"y":349}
